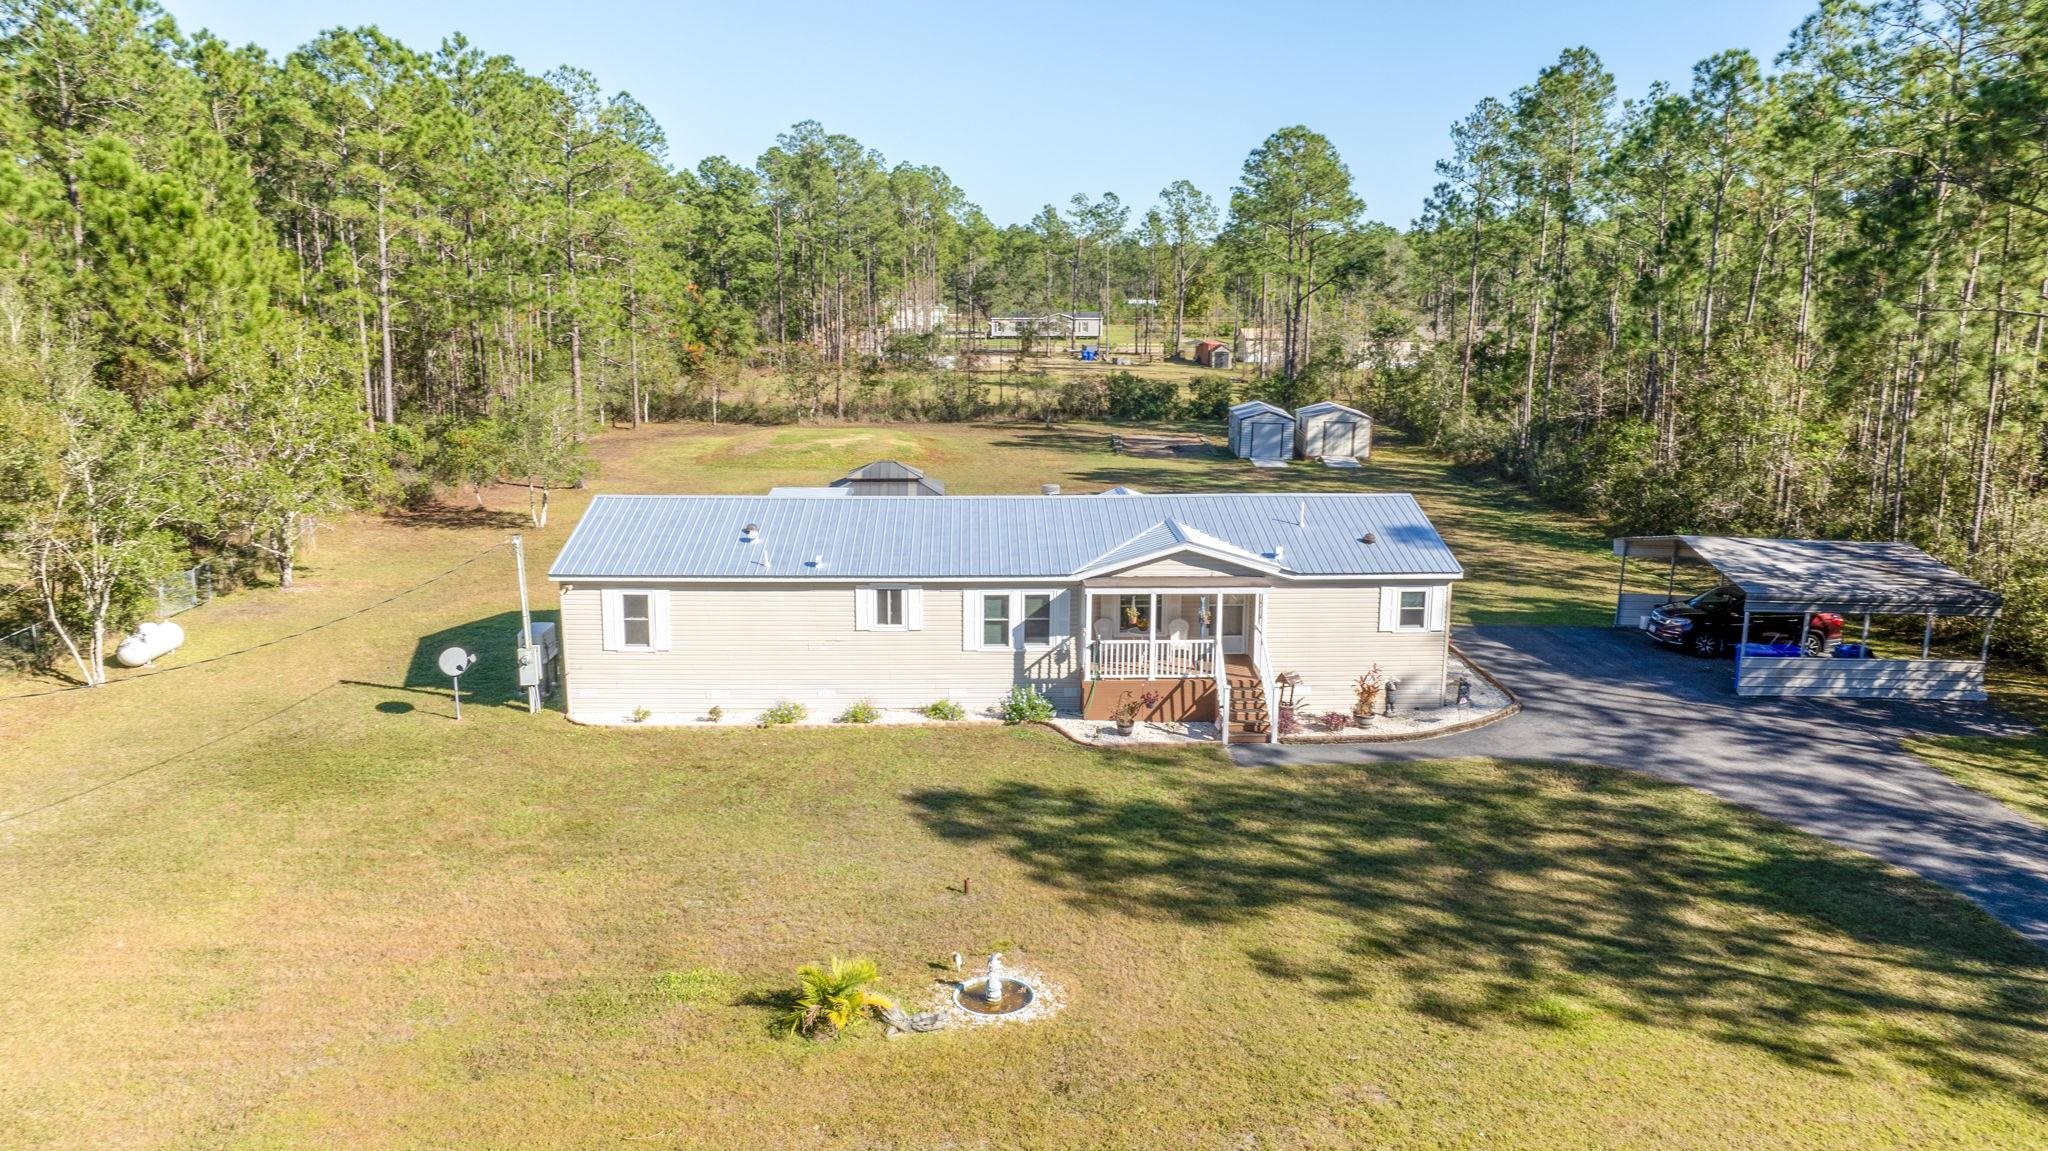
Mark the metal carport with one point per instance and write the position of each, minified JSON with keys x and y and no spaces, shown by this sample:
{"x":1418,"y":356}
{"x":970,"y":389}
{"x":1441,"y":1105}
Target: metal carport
{"x":1850,"y":577}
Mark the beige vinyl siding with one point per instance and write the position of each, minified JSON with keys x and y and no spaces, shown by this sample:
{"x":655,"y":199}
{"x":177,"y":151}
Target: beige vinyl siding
{"x":743,"y":647}
{"x":1330,"y":635}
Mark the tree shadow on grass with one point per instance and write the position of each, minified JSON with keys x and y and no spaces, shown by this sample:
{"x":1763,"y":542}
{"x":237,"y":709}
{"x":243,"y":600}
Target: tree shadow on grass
{"x":494,"y":681}
{"x":1550,"y":896}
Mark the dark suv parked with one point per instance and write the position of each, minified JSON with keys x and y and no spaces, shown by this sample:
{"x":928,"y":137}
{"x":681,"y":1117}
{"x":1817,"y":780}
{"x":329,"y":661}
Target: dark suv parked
{"x":1706,"y":625}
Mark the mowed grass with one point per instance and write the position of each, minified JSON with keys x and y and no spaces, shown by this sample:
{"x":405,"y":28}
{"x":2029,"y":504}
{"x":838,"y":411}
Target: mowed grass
{"x":284,"y":900}
{"x":1524,"y":563}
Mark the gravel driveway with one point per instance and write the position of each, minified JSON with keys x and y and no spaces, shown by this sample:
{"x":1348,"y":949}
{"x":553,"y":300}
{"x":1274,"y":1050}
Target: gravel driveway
{"x":1832,"y":767}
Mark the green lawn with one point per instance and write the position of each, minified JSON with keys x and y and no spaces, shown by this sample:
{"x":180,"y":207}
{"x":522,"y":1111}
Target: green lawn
{"x":284,"y":900}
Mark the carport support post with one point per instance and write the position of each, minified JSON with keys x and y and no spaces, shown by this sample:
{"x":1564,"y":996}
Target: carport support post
{"x":1927,"y":637}
{"x":1671,"y":577}
{"x":1621,"y":585}
{"x":1984,"y":656}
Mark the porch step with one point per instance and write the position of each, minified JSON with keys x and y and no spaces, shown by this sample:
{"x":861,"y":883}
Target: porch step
{"x":1249,"y":715}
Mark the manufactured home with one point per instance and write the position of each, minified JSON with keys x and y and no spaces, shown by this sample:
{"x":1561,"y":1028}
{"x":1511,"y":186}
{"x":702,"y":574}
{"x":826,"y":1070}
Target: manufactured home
{"x":672,"y":605}
{"x":1081,"y":325}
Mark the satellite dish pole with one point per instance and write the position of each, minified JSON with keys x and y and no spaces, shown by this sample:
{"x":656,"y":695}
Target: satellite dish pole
{"x":454,"y":661}
{"x":527,"y":649}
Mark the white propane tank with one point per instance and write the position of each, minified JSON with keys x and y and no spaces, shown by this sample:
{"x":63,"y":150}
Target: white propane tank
{"x":151,"y":641}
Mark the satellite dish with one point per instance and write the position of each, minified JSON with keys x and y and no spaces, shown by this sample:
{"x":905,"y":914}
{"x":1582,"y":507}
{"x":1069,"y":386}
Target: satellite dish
{"x":455,"y":661}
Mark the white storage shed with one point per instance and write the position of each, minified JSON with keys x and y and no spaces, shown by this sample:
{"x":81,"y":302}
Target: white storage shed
{"x":1261,"y":431}
{"x":1330,"y":430}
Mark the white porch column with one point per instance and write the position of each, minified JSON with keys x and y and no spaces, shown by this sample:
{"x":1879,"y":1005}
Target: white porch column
{"x":1152,"y":634}
{"x":1087,"y":640}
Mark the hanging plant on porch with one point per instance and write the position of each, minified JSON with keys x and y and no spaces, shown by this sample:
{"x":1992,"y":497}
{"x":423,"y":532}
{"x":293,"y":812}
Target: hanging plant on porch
{"x":1134,"y":616}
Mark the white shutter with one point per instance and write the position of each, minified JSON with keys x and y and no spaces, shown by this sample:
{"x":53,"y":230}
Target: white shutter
{"x":612,"y":613}
{"x":970,"y":620}
{"x":863,"y":609}
{"x":657,"y":619}
{"x":1390,"y":608}
{"x":913,"y":608}
{"x":1439,"y":601}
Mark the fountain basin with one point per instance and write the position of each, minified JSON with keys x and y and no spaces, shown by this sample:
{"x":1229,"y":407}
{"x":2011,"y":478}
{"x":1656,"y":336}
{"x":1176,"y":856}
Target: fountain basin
{"x":1011,"y":995}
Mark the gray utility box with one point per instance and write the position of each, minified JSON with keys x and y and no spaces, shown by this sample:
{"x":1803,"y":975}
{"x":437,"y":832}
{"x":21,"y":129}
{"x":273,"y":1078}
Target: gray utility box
{"x":540,"y":659}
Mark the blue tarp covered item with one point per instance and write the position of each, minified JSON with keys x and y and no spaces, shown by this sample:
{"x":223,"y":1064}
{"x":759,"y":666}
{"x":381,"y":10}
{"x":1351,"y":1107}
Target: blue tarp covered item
{"x":1854,"y":651}
{"x":1087,"y":353}
{"x":1780,"y":649}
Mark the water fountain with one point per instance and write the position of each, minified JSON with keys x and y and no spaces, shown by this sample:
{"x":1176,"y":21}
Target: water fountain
{"x":994,"y":993}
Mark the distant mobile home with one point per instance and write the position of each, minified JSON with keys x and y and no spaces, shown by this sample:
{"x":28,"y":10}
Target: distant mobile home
{"x":1329,"y":430}
{"x":1081,"y":325}
{"x":1261,"y":431}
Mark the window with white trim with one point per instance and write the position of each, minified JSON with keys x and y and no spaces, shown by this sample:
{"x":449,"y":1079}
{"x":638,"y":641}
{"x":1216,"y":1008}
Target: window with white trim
{"x":1037,"y":619}
{"x":995,"y":619}
{"x":1413,"y":611}
{"x":888,"y":609}
{"x":1413,"y":608}
{"x":636,"y":620}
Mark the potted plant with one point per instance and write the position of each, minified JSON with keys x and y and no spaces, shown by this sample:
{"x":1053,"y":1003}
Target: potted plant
{"x":1126,"y":714}
{"x":1369,"y":686}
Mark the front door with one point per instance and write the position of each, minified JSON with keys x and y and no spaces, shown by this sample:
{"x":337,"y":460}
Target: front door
{"x":1234,"y":630}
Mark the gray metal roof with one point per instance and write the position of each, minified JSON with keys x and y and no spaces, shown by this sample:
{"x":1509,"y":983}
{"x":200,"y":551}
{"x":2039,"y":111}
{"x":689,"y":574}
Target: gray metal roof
{"x":1172,"y":535}
{"x":1328,"y":406}
{"x":821,"y":493}
{"x":997,"y":537}
{"x":889,"y":471}
{"x":1254,"y":407}
{"x":1827,"y":575}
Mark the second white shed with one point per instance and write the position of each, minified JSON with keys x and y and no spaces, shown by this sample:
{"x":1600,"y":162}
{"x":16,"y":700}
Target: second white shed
{"x":1261,"y":431}
{"x":1330,"y":430}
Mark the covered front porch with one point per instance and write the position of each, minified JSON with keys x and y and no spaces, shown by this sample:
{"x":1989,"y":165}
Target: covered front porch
{"x":1189,"y":649}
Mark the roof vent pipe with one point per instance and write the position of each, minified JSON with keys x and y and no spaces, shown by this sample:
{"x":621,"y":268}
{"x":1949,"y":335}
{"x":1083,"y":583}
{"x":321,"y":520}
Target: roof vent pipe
{"x":817,"y":561}
{"x":1048,"y":489}
{"x":1301,"y":514}
{"x":750,"y":533}
{"x":1367,"y":538}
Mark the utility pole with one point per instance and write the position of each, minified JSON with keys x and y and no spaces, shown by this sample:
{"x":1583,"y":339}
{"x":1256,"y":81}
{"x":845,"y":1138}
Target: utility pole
{"x":528,"y":650}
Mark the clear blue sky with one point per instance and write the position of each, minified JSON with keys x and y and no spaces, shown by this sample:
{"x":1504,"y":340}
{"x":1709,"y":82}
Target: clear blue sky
{"x":1025,"y":105}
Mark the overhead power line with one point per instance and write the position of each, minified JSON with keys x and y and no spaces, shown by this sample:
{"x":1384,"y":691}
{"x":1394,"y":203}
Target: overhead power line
{"x":365,"y":609}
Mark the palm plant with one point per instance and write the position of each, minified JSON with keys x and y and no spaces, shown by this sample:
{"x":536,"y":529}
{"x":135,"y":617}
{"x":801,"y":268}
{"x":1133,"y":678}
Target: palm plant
{"x":830,"y":998}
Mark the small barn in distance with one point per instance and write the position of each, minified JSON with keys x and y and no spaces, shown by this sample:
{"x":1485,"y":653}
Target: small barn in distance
{"x":1212,"y":353}
{"x":1260,"y":431}
{"x":1330,"y":430}
{"x":888,"y":478}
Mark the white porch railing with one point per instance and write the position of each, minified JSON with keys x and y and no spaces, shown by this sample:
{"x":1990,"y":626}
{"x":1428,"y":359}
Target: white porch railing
{"x":1152,"y":659}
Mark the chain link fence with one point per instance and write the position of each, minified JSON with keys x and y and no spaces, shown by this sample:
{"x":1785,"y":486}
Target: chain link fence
{"x":184,"y":591}
{"x":22,"y":646}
